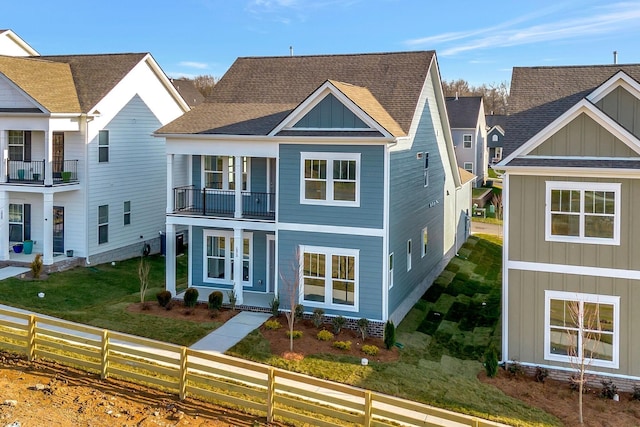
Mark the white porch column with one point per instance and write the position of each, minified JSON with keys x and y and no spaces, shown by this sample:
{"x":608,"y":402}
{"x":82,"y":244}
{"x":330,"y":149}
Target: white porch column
{"x":170,"y":201}
{"x":237,"y":172}
{"x":4,"y":226}
{"x":170,"y":258}
{"x":48,"y":171}
{"x":237,"y":262}
{"x":48,"y":227}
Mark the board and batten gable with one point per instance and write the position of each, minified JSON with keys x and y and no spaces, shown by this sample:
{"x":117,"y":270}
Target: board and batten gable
{"x":624,"y":108}
{"x":370,"y":212}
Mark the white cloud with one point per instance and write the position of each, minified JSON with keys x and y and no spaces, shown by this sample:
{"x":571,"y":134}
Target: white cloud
{"x":193,"y":64}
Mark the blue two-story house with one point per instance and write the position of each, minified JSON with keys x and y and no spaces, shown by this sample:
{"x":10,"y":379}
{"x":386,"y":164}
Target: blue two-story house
{"x":332,"y":177}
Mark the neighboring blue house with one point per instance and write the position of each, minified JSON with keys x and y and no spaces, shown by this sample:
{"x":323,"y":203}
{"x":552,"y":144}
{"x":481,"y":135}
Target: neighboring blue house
{"x":335,"y":174}
{"x":469,"y":130}
{"x":495,"y":136}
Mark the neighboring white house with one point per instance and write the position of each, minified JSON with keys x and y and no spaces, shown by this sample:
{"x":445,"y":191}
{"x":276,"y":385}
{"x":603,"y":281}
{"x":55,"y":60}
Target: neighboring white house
{"x":81,"y":173}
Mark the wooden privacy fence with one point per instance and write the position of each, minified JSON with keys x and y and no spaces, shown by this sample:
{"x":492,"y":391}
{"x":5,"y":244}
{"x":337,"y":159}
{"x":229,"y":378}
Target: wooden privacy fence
{"x":215,"y":377}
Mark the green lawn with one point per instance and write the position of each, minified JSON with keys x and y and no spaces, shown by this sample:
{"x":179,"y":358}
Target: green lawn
{"x":444,"y":337}
{"x":98,"y":296}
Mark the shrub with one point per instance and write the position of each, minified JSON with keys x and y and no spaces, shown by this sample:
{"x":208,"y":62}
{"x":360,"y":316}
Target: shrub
{"x":191,"y":297}
{"x":295,"y":334}
{"x":338,"y":323}
{"x":275,"y":307}
{"x":272,"y":325}
{"x":363,"y":326}
{"x":515,"y":369}
{"x":370,"y":350}
{"x":609,"y":389}
{"x":36,"y":266}
{"x":233,"y":299}
{"x":163,"y":297}
{"x":318,"y":314}
{"x":298,"y":311}
{"x":635,"y":395}
{"x":342,"y":345}
{"x":541,"y":374}
{"x":324,"y":335}
{"x":491,"y":362}
{"x":215,"y":300}
{"x":389,"y":334}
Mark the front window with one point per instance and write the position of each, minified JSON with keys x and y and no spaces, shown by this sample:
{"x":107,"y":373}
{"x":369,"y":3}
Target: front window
{"x":583,"y":212}
{"x":16,"y":222}
{"x":103,"y":224}
{"x":16,"y":145}
{"x":466,"y":140}
{"x":330,"y":178}
{"x":582,"y":327}
{"x":219,"y":172}
{"x":219,"y":262}
{"x":329,"y":277}
{"x":103,"y":146}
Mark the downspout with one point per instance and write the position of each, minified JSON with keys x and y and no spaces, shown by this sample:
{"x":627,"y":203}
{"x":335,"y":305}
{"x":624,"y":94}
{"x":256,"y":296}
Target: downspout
{"x":86,"y":186}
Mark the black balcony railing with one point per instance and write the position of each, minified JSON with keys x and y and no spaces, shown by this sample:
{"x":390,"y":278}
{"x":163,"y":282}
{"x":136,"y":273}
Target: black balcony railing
{"x":33,"y":172}
{"x":212,"y":202}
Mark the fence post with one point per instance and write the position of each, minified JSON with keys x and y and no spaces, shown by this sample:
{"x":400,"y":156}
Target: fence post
{"x":31,"y":338}
{"x":271,"y":385}
{"x":367,"y":408}
{"x":104,"y":352}
{"x":183,"y":373}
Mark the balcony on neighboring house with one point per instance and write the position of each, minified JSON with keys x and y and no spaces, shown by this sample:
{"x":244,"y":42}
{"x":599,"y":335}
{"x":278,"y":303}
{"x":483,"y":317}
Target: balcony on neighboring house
{"x":189,"y":200}
{"x":34,"y":172}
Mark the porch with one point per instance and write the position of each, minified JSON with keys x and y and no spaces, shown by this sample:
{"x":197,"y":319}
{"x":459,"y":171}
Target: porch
{"x":252,"y":301}
{"x":222,"y":203}
{"x":60,"y":261}
{"x":35,"y":172}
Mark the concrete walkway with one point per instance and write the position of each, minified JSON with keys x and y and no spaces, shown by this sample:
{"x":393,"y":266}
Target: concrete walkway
{"x":232,"y":332}
{"x":7,"y":272}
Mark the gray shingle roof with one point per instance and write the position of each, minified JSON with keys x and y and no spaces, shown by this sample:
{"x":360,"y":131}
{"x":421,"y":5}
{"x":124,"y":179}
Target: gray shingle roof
{"x":495,"y":120}
{"x":539,"y":95}
{"x":256,"y":93}
{"x":187,"y":89}
{"x":463,"y":111}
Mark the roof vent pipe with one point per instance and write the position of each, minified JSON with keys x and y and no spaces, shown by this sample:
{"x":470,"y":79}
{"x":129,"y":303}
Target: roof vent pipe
{"x":456,"y":95}
{"x":615,"y":57}
{"x":290,"y":50}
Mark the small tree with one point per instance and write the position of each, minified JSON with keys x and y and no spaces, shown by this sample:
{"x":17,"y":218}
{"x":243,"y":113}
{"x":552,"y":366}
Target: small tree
{"x":291,"y":290}
{"x":143,"y":275}
{"x":36,"y":266}
{"x":363,"y":326}
{"x":389,"y":334}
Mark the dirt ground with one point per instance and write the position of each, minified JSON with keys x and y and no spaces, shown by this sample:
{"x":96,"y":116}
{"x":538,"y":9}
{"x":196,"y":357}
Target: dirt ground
{"x":41,"y":393}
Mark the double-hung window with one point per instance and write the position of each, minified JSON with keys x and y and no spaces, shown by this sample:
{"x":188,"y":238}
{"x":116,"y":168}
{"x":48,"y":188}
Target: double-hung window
{"x":583,"y":212}
{"x":219,"y":260}
{"x":330,"y":179}
{"x":329,"y":277}
{"x":127,"y":213}
{"x":103,"y":146}
{"x":582,"y":327}
{"x":466,"y":140}
{"x":468,"y":166}
{"x":16,"y":145}
{"x":103,"y":224}
{"x":16,"y":222}
{"x":219,"y":172}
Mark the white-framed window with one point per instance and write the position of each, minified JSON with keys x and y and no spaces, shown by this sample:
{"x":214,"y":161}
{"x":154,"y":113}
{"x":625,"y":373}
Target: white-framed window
{"x":494,"y":138}
{"x":583,"y":212}
{"x":103,"y":146}
{"x":426,"y":169}
{"x":330,"y":179}
{"x":103,"y":224}
{"x":467,"y":138}
{"x":127,"y":213}
{"x":218,"y":172}
{"x":391,"y":270}
{"x":16,"y":222}
{"x":409,"y":244}
{"x":581,"y":325}
{"x":218,"y":257}
{"x":468,"y":166}
{"x":16,"y":145}
{"x":498,"y":154}
{"x":425,"y":240}
{"x":329,"y":277}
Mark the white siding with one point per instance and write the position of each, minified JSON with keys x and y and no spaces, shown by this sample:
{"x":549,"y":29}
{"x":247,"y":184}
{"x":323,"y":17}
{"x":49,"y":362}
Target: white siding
{"x":10,"y":97}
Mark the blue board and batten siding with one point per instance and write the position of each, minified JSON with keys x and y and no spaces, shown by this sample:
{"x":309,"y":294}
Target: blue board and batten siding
{"x":370,"y":212}
{"x":414,"y":206}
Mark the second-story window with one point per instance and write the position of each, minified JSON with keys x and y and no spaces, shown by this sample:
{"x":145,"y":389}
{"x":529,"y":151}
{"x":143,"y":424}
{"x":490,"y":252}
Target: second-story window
{"x":16,"y":145}
{"x":127,"y":212}
{"x":426,"y":170}
{"x":466,"y":140}
{"x":219,"y":172}
{"x":330,"y":179}
{"x":103,"y":224}
{"x":103,"y":146}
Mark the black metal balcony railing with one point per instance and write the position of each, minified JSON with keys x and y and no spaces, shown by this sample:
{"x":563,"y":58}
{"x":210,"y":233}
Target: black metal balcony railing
{"x":212,"y":202}
{"x":33,"y":172}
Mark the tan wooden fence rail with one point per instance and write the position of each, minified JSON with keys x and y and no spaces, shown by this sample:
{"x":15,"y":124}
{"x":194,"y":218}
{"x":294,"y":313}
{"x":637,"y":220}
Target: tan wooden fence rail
{"x":215,"y":377}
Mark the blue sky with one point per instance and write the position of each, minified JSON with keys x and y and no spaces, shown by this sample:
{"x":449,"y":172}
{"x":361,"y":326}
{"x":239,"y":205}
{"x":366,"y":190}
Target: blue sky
{"x":479,"y":41}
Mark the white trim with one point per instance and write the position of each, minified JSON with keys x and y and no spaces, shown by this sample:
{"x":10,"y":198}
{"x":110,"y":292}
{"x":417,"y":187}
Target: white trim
{"x":333,"y":229}
{"x":465,"y":167}
{"x":582,"y":297}
{"x":470,"y":141}
{"x":390,"y":265}
{"x":385,"y":233}
{"x":409,"y":254}
{"x":575,"y":172}
{"x":269,"y":287}
{"x":225,"y":172}
{"x":423,"y":245}
{"x":572,"y":370}
{"x":329,"y":158}
{"x":328,"y":252}
{"x":620,"y":79}
{"x":580,"y":270}
{"x":228,"y":257}
{"x":618,"y":159}
{"x":505,"y":268}
{"x":582,"y":187}
{"x":209,"y":222}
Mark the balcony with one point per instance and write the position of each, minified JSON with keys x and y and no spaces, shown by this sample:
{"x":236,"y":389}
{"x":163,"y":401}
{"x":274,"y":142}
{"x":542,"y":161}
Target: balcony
{"x":34,"y":172}
{"x":221,"y":203}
